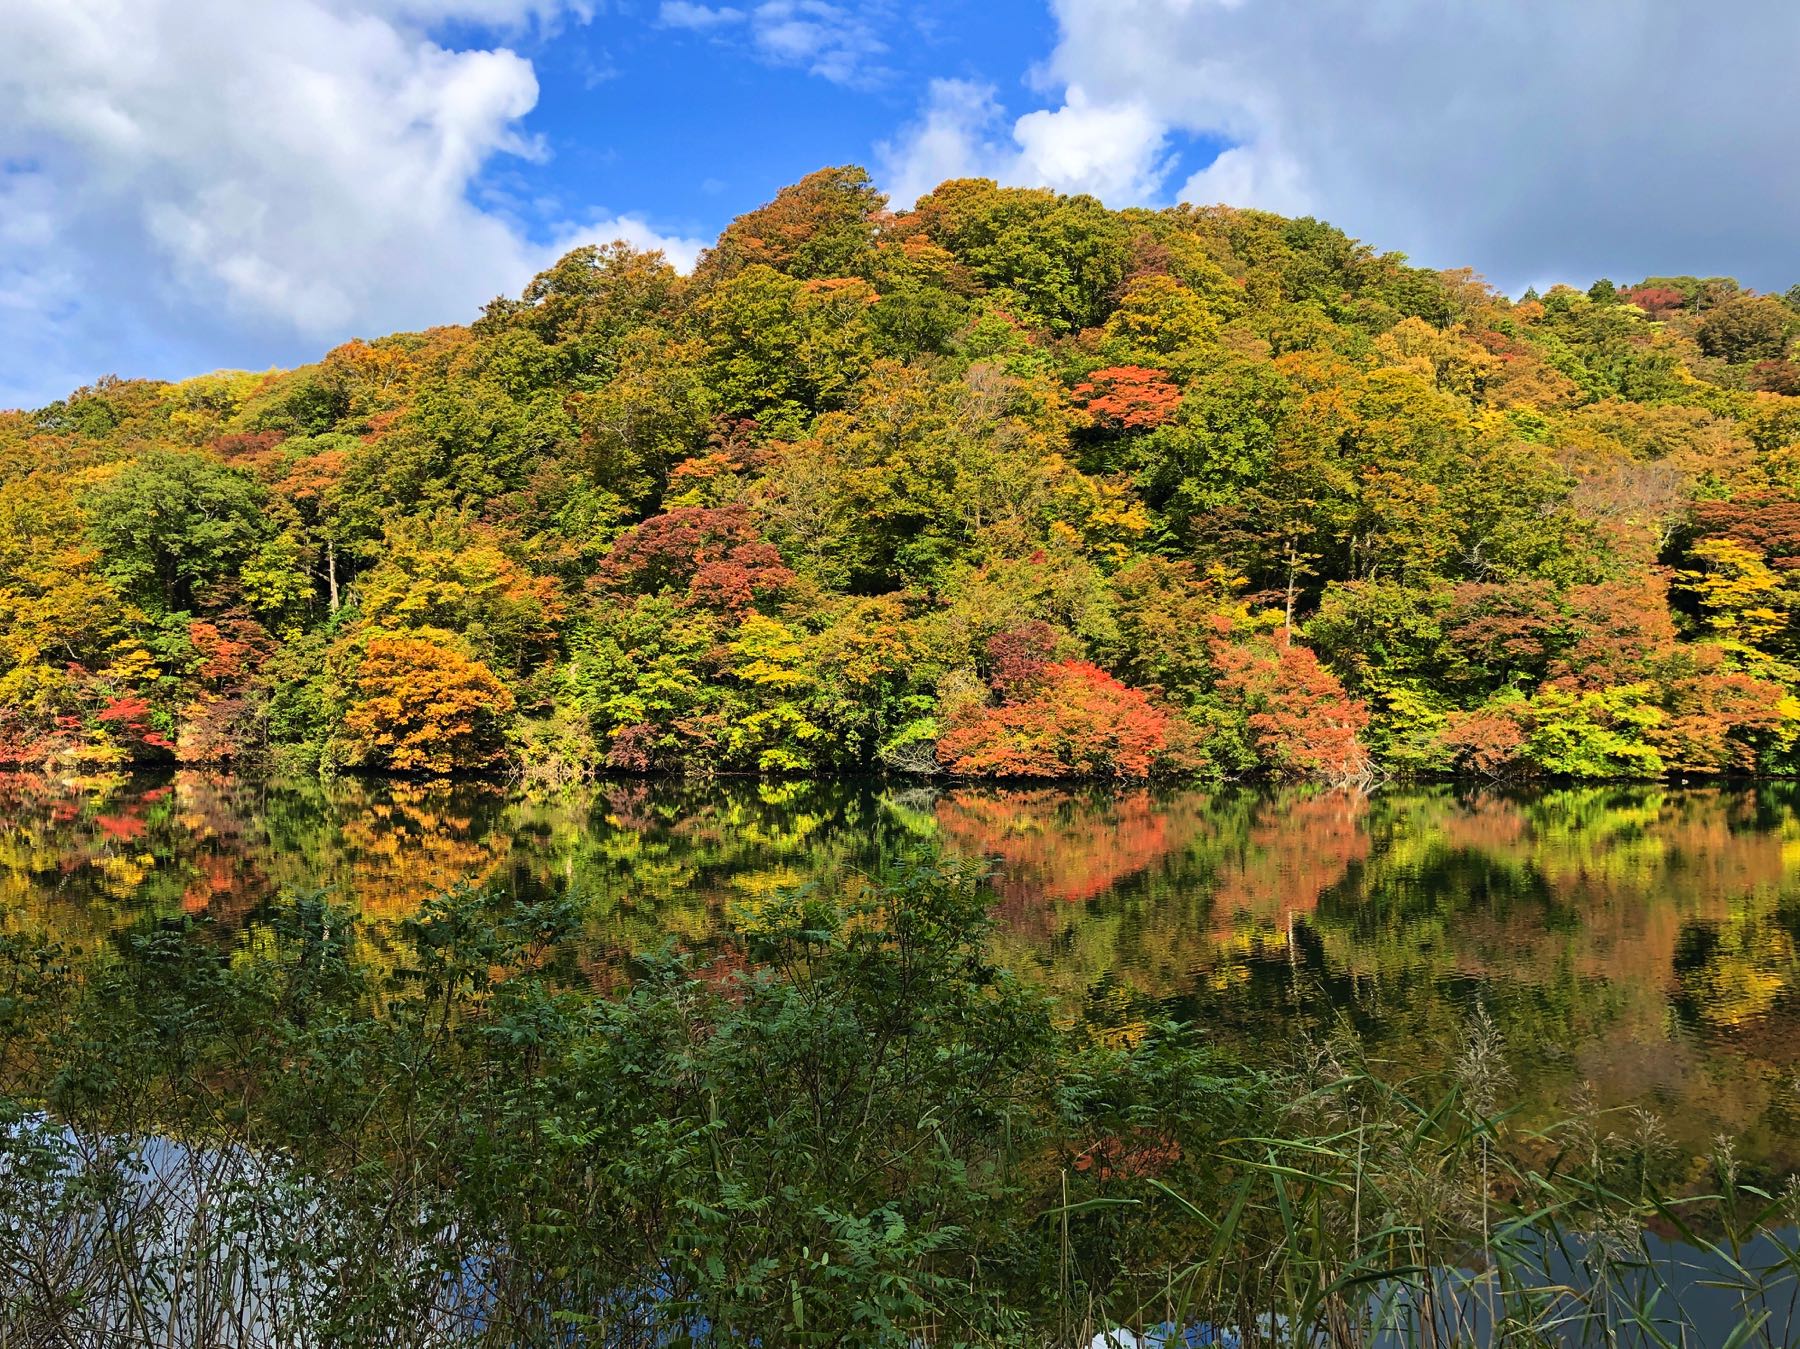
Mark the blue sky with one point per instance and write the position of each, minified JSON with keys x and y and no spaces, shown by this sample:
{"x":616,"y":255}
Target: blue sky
{"x":195,"y":184}
{"x":695,"y":127}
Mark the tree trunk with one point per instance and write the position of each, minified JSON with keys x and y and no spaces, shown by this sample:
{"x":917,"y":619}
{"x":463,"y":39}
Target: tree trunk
{"x":1287,"y":635}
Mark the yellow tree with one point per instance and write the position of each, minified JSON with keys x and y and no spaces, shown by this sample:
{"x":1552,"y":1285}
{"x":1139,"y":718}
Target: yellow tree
{"x":1739,"y":592}
{"x":776,"y":730}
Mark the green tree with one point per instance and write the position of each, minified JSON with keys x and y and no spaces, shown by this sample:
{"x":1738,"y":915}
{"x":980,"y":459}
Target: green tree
{"x":174,"y":527}
{"x":821,"y":227}
{"x":1746,"y":328}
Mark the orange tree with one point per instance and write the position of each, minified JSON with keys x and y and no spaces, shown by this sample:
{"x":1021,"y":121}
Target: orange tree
{"x":422,"y":706}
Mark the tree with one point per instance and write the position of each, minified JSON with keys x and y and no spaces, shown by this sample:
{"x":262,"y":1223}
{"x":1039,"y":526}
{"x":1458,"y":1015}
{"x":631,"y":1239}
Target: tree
{"x":420,"y":705}
{"x":1502,"y":633}
{"x":715,"y":556}
{"x":1128,"y":398}
{"x":644,"y":674}
{"x":1739,"y":593}
{"x":924,"y":295}
{"x":1166,"y":623}
{"x":1160,"y":322}
{"x":866,"y":690}
{"x":930,"y":466}
{"x":780,"y":350}
{"x":773,"y":733}
{"x":1603,"y":733}
{"x":173,"y":527}
{"x":1054,"y":261}
{"x":653,"y":413}
{"x":1303,"y":722}
{"x":1316,"y":504}
{"x":821,"y":227}
{"x":1766,"y":521}
{"x":1747,"y":328}
{"x":1068,"y":719}
{"x":1717,"y":719}
{"x":1655,"y":300}
{"x":587,"y":305}
{"x":451,"y":573}
{"x":58,"y":610}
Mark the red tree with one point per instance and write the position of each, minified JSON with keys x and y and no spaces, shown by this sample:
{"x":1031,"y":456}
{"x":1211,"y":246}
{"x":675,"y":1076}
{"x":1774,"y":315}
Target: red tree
{"x":1486,"y":740}
{"x":1655,"y":300}
{"x":1716,"y":716}
{"x":127,"y":720}
{"x":1018,"y":657}
{"x":1765,"y":520}
{"x":713,"y":554}
{"x":1128,"y":397}
{"x":1075,"y":720}
{"x":1303,"y":721}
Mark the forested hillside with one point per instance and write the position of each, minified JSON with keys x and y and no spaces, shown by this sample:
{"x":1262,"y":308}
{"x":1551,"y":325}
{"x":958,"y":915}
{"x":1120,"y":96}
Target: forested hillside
{"x":1007,"y":484}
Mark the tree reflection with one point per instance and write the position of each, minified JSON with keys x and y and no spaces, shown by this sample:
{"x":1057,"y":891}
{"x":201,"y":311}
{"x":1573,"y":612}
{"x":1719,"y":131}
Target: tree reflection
{"x":1641,"y":939}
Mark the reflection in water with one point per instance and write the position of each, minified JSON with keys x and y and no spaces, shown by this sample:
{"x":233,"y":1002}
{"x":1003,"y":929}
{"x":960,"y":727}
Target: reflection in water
{"x":1638,"y":939}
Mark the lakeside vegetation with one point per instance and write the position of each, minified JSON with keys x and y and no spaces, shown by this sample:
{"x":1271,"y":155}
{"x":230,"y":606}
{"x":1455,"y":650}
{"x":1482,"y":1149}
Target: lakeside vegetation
{"x":876,"y":1136}
{"x":1005,"y":484}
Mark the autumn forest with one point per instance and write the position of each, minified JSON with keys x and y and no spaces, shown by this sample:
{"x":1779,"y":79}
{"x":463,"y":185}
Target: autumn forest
{"x":1007,"y":484}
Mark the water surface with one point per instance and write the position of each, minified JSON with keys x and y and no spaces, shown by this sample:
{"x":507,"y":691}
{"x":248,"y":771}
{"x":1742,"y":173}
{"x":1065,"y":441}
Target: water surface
{"x":1636,"y":945}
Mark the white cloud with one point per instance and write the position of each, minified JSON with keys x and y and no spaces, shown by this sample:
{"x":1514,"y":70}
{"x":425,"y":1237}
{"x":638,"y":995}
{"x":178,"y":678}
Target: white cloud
{"x":1251,"y":175}
{"x":828,"y":40}
{"x":190,"y":182}
{"x":686,"y":14}
{"x":681,"y":252}
{"x":956,"y":136}
{"x":1116,"y":151}
{"x":1532,"y":138}
{"x":835,"y":42}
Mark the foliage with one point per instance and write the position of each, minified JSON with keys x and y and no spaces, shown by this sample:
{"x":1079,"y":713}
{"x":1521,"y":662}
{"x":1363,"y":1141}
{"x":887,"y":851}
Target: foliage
{"x":1303,"y":722}
{"x":870,"y":1133}
{"x":1746,"y":328}
{"x":1061,"y":719}
{"x":821,"y":227}
{"x":1148,"y":429}
{"x":419,"y":705}
{"x":1128,"y":397}
{"x":171,"y":527}
{"x":714,"y":557}
{"x":853,"y":1141}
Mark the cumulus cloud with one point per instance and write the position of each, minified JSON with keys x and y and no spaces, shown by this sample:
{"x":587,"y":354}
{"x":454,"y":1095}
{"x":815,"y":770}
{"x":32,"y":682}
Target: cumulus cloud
{"x":185,"y":183}
{"x":1536,"y":139}
{"x":1114,"y":150}
{"x":682,"y":252}
{"x":956,"y":136}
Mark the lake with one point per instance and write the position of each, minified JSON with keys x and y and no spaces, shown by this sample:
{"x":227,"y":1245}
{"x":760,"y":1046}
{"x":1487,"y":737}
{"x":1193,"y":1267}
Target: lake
{"x":1634,"y":944}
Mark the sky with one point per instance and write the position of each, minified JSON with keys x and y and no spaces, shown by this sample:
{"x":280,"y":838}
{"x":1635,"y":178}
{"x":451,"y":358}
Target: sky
{"x":187,"y":185}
